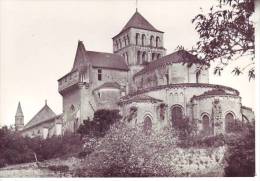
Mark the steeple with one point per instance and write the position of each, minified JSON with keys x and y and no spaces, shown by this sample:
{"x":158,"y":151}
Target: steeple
{"x":19,"y":118}
{"x":19,"y":111}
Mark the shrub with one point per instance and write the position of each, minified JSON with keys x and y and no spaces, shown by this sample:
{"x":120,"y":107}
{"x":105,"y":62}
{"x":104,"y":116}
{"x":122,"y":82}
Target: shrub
{"x":17,"y":149}
{"x":240,"y":157}
{"x":100,"y":124}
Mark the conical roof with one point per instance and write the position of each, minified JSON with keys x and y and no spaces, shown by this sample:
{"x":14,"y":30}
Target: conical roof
{"x":19,"y":111}
{"x":138,"y":21}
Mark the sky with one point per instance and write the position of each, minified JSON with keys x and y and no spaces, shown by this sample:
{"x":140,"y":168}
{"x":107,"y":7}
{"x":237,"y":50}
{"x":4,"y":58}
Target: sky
{"x":38,"y":41}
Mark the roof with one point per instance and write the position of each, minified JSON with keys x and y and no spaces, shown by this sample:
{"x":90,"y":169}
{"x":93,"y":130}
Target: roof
{"x":183,"y":85}
{"x":19,"y":111}
{"x":138,"y":21}
{"x":140,"y":98}
{"x":85,"y":58}
{"x":214,"y":92}
{"x":180,"y":56}
{"x":44,"y":114}
{"x":108,"y":85}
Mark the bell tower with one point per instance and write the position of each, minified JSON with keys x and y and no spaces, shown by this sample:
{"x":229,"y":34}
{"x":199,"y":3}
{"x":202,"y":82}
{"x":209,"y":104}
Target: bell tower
{"x":19,"y":118}
{"x":139,"y":43}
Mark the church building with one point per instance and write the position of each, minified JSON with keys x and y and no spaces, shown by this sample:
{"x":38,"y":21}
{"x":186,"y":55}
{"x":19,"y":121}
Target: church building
{"x":148,"y":86}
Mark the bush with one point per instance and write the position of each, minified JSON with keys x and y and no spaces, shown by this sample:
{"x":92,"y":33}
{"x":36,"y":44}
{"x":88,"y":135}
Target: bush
{"x":240,"y":157}
{"x":16,"y":149}
{"x":100,"y":124}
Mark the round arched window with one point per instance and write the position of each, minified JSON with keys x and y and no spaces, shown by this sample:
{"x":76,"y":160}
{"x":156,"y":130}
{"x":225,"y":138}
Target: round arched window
{"x":147,"y":127}
{"x":229,"y":120}
{"x":205,"y":124}
{"x":177,"y":115}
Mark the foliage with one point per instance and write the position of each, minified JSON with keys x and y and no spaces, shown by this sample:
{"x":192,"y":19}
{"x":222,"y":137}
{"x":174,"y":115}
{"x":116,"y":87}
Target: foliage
{"x":184,"y":127}
{"x":16,"y":149}
{"x":240,"y":157}
{"x":101,"y":122}
{"x":227,"y":33}
{"x":126,"y":151}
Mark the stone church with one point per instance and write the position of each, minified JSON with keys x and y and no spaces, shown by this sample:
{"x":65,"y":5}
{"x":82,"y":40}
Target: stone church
{"x":148,"y":86}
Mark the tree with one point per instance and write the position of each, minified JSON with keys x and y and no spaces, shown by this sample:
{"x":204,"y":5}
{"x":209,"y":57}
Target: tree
{"x":227,"y":33}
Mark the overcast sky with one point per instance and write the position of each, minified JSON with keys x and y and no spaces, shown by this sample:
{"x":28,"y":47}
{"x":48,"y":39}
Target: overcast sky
{"x":39,"y":40}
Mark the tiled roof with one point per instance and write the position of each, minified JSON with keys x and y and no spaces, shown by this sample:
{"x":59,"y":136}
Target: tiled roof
{"x":19,"y":111}
{"x":180,"y":56}
{"x":109,"y":85}
{"x":139,"y":98}
{"x":214,"y":92}
{"x":44,"y":114}
{"x":181,"y":85}
{"x":97,"y":59}
{"x":138,"y":21}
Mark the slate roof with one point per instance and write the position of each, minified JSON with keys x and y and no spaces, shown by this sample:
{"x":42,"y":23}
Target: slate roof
{"x":44,"y":114}
{"x":180,"y":56}
{"x":84,"y":58}
{"x":140,"y":98}
{"x":109,"y":85}
{"x":19,"y":111}
{"x":138,"y":21}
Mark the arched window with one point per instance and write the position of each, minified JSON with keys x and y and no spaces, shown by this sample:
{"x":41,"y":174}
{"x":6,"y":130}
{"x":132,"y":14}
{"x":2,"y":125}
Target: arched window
{"x":197,"y":76}
{"x":205,"y":124}
{"x":138,"y":57}
{"x":158,"y":56}
{"x":144,"y":57}
{"x":151,"y":41}
{"x":72,"y":108}
{"x":137,"y":38}
{"x":120,"y":43}
{"x":147,"y":126}
{"x":157,"y":41}
{"x":177,"y":115}
{"x":143,"y":40}
{"x":153,"y":56}
{"x":128,"y":40}
{"x":126,"y":58}
{"x":229,"y":120}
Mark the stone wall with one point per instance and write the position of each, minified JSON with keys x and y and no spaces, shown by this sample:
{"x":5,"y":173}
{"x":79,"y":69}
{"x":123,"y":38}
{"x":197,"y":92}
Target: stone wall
{"x":196,"y":161}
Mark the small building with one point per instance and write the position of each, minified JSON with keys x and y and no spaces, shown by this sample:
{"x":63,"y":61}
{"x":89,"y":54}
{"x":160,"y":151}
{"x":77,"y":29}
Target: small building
{"x":44,"y":124}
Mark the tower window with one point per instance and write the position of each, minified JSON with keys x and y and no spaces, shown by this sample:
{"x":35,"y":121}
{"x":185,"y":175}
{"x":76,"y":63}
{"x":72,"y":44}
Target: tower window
{"x":137,"y":38}
{"x":143,"y":40}
{"x":151,"y":40}
{"x":144,"y":57}
{"x":157,"y":41}
{"x":138,"y":57}
{"x":99,"y":74}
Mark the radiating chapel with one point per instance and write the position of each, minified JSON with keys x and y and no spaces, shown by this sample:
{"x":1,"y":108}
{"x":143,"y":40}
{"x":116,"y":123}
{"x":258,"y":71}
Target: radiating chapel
{"x":151,"y":88}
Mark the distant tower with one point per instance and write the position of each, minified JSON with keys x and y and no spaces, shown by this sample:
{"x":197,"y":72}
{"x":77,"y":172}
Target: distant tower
{"x":19,"y":118}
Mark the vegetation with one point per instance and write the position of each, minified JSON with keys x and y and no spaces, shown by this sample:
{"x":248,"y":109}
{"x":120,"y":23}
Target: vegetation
{"x":240,"y":157}
{"x":226,"y":34}
{"x":100,"y":124}
{"x":16,"y":149}
{"x":113,"y":148}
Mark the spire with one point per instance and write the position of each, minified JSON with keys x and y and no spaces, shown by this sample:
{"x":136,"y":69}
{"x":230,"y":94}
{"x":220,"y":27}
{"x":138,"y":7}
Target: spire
{"x":19,"y":111}
{"x":80,"y":57}
{"x":136,"y":5}
{"x":45,"y":102}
